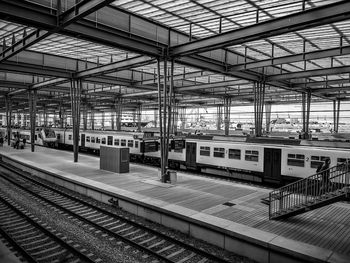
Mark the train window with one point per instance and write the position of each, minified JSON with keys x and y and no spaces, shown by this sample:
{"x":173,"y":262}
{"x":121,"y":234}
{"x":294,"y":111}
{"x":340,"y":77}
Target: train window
{"x":234,"y":154}
{"x":219,"y":152}
{"x":98,"y":140}
{"x":35,"y":137}
{"x":103,"y":140}
{"x":109,"y":140}
{"x":204,"y":150}
{"x":116,"y":142}
{"x":342,"y":160}
{"x":58,"y":136}
{"x":130,"y":143}
{"x":87,"y":138}
{"x":316,"y":161}
{"x":252,"y":156}
{"x":70,"y":137}
{"x":93,"y":139}
{"x":122,"y":142}
{"x":296,"y":160}
{"x":136,"y":144}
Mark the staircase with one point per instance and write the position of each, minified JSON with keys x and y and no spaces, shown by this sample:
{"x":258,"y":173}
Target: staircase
{"x":310,"y":193}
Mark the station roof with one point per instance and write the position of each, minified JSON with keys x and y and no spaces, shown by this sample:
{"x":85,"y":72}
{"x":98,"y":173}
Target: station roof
{"x":220,"y":48}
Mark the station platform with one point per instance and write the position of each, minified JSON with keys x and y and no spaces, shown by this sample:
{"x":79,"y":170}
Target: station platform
{"x":6,"y":255}
{"x":231,"y":209}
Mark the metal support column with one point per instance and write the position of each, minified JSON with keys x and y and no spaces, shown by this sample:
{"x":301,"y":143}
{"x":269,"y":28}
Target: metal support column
{"x":155,"y":118}
{"x":218,"y":117}
{"x":183,"y":117}
{"x":118,"y":111}
{"x":92,"y":119}
{"x":45,"y":116}
{"x":103,"y":120}
{"x":139,"y":112}
{"x":336,"y":112}
{"x":8,"y":103}
{"x":32,"y":98}
{"x":268,"y":116}
{"x":17,"y":119}
{"x":169,"y":107}
{"x":75,"y":94}
{"x":85,"y":113}
{"x":227,"y":109}
{"x":112,"y":120}
{"x":306,"y":103}
{"x":24,"y":120}
{"x":61,"y":114}
{"x":175,"y":118}
{"x":162,"y":155}
{"x":259,"y":101}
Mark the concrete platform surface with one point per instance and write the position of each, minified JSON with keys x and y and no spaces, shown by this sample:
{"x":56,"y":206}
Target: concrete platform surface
{"x":6,"y":255}
{"x":231,"y":207}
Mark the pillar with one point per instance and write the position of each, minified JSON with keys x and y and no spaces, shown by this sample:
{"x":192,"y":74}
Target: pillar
{"x":183,"y":117}
{"x":92,"y":119}
{"x":103,"y":121}
{"x":336,"y":112}
{"x":45,"y":116}
{"x":161,"y":130}
{"x":259,"y":101}
{"x":118,"y":111}
{"x":112,"y":120}
{"x":268,"y":116}
{"x":75,"y":94}
{"x":175,"y":118}
{"x":218,"y":117}
{"x":139,"y":110}
{"x":60,"y":114}
{"x":24,"y":120}
{"x":32,"y":98}
{"x":306,"y":101}
{"x":227,"y":107}
{"x":8,"y":105}
{"x":155,"y":118}
{"x":85,"y":116}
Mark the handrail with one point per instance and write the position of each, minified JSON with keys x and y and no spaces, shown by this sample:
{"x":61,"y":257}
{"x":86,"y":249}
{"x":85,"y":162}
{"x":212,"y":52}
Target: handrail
{"x":310,"y":190}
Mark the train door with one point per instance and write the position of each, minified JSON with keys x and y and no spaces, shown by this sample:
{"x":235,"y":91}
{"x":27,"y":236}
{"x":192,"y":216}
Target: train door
{"x":272,"y":164}
{"x":191,"y":151}
{"x":82,"y":142}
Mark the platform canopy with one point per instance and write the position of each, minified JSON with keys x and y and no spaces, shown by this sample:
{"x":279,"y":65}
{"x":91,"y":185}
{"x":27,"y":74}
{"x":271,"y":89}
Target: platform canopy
{"x":220,"y":48}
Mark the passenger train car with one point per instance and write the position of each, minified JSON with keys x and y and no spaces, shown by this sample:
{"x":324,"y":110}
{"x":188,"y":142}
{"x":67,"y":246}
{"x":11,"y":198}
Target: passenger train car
{"x":43,"y":136}
{"x":268,"y":161}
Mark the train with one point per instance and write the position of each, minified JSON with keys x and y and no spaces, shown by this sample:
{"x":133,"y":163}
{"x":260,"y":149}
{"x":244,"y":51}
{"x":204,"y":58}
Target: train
{"x":271,"y":160}
{"x":43,"y":136}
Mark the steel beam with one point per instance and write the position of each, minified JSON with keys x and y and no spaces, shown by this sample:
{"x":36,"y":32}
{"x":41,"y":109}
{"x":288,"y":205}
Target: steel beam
{"x":332,"y":52}
{"x":23,"y":44}
{"x":42,"y":17}
{"x":115,"y":66}
{"x":75,"y":13}
{"x":80,"y":10}
{"x":310,"y":18}
{"x":309,"y":73}
{"x":213,"y":66}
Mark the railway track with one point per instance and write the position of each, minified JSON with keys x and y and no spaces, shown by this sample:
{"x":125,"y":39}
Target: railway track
{"x":34,"y":241}
{"x":161,"y":246}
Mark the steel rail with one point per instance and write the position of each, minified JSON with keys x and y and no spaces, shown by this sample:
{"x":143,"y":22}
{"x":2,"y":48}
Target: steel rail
{"x":45,"y":231}
{"x":136,"y":224}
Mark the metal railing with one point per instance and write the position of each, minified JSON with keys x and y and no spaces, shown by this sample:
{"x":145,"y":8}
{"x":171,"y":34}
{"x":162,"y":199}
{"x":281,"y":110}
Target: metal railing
{"x":317,"y":188}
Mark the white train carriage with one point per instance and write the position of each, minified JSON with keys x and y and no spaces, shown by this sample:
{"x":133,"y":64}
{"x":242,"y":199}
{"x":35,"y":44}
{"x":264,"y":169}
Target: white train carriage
{"x":91,"y":140}
{"x":259,"y":162}
{"x":42,"y":136}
